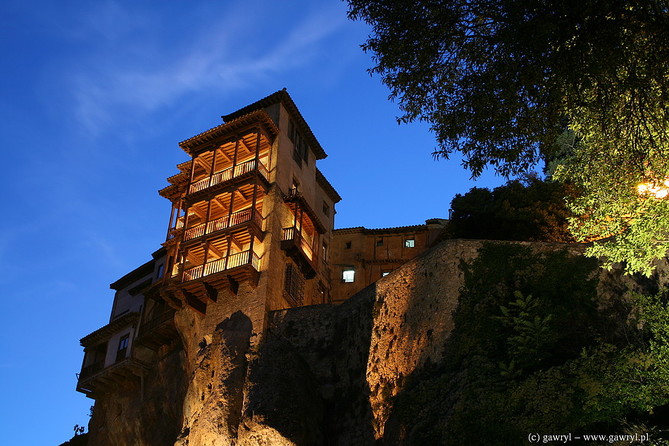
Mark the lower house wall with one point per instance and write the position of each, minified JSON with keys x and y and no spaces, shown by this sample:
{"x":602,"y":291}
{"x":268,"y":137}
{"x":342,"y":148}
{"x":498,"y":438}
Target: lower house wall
{"x":143,"y":413}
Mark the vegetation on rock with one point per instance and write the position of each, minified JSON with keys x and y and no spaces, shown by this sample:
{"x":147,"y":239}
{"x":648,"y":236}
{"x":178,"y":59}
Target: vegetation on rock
{"x":535,"y":350}
{"x":532,"y":210}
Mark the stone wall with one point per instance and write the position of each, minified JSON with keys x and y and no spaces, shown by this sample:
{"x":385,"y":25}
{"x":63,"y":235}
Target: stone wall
{"x":357,"y":355}
{"x":353,"y":359}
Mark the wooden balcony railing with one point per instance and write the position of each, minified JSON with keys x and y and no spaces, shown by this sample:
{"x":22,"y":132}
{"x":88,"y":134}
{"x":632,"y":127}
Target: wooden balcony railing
{"x":228,"y":174}
{"x":222,"y":264}
{"x":91,"y":370}
{"x":230,"y":220}
{"x":299,"y":240}
{"x":155,"y":322}
{"x":194,"y":232}
{"x":96,"y":377}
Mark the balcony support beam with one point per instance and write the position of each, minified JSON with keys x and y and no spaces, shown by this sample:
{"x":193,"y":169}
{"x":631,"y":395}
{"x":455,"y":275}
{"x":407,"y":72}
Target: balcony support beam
{"x":210,"y":292}
{"x":233,"y":285}
{"x":193,"y":302}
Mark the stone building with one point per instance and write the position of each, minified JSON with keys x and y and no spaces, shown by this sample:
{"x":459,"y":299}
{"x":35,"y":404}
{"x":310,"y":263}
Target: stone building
{"x":112,"y":354}
{"x":249,"y":201}
{"x":361,"y":256}
{"x":251,"y":232}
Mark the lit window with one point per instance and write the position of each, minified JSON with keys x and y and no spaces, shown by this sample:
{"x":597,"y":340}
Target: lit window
{"x":348,"y":275}
{"x":384,"y":273}
{"x":409,"y":243}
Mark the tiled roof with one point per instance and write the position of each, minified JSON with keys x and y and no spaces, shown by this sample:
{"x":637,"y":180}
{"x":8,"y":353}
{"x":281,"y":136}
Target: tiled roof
{"x":191,"y":145}
{"x":282,"y":96}
{"x":327,"y":187}
{"x":397,"y":229}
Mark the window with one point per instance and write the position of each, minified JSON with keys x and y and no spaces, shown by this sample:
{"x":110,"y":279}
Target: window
{"x":293,"y":284}
{"x":123,"y":343}
{"x":325,"y":252}
{"x":326,"y":209}
{"x":300,"y":147}
{"x":409,"y":242}
{"x":384,"y":273}
{"x":347,"y":245}
{"x":122,"y":348}
{"x":379,"y":242}
{"x":161,"y":270}
{"x":348,"y":275}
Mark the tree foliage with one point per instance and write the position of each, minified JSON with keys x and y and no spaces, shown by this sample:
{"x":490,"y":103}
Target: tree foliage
{"x":500,"y":81}
{"x":532,"y":210}
{"x":624,"y":225}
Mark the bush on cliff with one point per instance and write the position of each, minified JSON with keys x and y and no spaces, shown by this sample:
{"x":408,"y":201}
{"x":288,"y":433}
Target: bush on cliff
{"x":532,"y":210}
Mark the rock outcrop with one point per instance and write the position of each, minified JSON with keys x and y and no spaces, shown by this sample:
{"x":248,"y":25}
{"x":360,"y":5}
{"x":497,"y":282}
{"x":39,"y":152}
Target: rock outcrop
{"x":320,"y":375}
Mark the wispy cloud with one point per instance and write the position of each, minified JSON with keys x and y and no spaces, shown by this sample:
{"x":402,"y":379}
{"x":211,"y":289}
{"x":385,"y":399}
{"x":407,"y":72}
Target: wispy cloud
{"x":227,"y":58}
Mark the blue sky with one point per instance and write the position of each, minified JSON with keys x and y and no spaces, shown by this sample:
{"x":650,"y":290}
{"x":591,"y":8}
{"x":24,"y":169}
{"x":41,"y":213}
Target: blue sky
{"x":95,"y":97}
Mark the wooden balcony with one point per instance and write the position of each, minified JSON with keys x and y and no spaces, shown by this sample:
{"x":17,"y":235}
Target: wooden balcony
{"x":299,"y":249}
{"x":228,"y":175}
{"x":157,"y":331}
{"x":90,"y":370}
{"x":227,"y":222}
{"x":95,"y":378}
{"x":200,"y":285}
{"x":226,"y":263}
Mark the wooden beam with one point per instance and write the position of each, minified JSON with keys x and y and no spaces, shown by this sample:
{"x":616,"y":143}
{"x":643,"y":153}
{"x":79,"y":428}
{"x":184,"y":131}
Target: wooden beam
{"x":220,"y":205}
{"x":233,"y":285}
{"x":216,"y":251}
{"x":196,"y":210}
{"x":204,"y":163}
{"x":242,"y":194}
{"x":245,"y":146}
{"x":195,"y":303}
{"x":225,"y":154}
{"x":172,"y":299}
{"x":233,"y":240}
{"x":211,"y":292}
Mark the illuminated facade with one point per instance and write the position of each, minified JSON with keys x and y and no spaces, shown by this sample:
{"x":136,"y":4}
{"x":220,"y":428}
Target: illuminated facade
{"x":249,"y":230}
{"x":361,"y":256}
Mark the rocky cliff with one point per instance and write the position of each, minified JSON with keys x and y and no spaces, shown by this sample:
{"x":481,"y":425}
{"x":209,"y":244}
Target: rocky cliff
{"x":321,"y":375}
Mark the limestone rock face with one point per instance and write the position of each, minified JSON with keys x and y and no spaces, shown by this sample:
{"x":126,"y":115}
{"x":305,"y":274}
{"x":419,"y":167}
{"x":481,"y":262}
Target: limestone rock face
{"x":360,"y":353}
{"x":213,"y":402}
{"x":320,"y":375}
{"x":283,"y":396}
